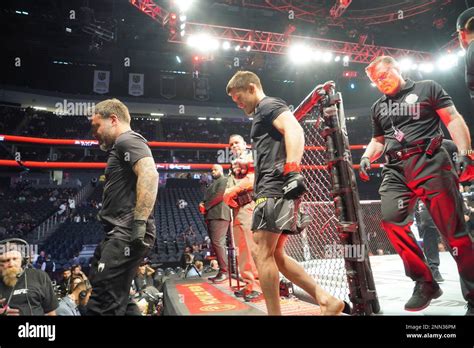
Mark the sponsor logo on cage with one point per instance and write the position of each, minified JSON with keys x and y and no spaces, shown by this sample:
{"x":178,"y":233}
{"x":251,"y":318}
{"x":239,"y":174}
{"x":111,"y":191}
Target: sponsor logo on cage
{"x":353,"y":251}
{"x":73,"y":108}
{"x":218,"y":308}
{"x":179,"y":167}
{"x":26,"y":251}
{"x":409,"y":108}
{"x":86,"y":143}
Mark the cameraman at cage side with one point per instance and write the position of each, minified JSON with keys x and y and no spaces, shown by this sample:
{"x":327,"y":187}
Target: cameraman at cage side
{"x":78,"y":297}
{"x":406,"y":128}
{"x":238,"y":196}
{"x":217,"y":216}
{"x":143,"y":277}
{"x":23,"y":291}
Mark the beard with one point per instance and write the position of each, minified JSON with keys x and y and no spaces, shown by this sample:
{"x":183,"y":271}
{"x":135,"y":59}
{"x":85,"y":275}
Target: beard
{"x":10,"y":276}
{"x":104,"y":147}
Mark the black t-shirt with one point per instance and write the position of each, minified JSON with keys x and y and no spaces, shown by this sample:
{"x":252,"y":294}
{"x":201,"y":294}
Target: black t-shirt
{"x":411,"y":111}
{"x":470,"y":69}
{"x":39,"y":294}
{"x":119,"y":198}
{"x":268,"y":145}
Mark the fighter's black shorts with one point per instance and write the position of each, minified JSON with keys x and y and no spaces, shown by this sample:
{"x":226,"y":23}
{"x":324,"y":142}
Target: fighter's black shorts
{"x":279,"y":215}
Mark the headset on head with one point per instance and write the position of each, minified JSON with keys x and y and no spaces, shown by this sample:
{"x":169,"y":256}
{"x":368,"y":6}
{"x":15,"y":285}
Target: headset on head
{"x":25,"y":258}
{"x":24,"y":262}
{"x":83,"y":293}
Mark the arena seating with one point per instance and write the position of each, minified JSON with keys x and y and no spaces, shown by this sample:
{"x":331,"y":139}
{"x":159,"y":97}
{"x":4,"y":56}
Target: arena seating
{"x":24,"y":207}
{"x":175,"y":227}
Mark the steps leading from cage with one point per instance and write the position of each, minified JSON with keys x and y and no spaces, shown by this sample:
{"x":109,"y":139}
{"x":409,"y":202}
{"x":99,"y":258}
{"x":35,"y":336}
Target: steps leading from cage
{"x":198,"y":296}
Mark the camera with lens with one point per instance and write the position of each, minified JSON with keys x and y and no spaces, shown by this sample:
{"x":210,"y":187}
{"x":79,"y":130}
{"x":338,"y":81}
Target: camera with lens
{"x":154,"y":300}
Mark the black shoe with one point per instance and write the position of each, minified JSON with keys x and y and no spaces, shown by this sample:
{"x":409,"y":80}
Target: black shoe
{"x":347,"y":308}
{"x":240,"y":293}
{"x":437,"y":276}
{"x":253,"y":296}
{"x":219,"y":278}
{"x":470,"y":308}
{"x":423,"y":293}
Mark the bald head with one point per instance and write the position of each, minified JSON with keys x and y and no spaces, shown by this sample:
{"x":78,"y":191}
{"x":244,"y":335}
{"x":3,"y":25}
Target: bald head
{"x":217,"y":171}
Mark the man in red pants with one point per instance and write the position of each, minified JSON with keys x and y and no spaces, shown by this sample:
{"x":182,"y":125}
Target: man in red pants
{"x":238,"y":196}
{"x":406,"y":128}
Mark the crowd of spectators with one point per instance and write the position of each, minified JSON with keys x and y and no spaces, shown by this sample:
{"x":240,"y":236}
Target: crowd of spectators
{"x":23,"y":207}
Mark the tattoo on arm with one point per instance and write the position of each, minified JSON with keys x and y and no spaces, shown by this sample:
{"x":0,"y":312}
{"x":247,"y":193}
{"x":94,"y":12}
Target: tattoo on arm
{"x":147,"y":187}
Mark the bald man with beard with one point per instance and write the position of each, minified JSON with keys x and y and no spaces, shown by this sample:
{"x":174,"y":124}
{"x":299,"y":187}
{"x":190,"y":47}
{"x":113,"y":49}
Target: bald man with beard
{"x":217,"y":216}
{"x":24,"y":291}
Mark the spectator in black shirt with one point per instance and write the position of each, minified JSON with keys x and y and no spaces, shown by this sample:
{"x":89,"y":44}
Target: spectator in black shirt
{"x":278,"y":145}
{"x":65,"y":282}
{"x":130,"y":191}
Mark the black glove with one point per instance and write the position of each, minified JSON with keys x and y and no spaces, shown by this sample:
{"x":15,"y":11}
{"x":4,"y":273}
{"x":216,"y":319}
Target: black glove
{"x":294,"y":186}
{"x":462,"y":164}
{"x":364,"y":167}
{"x":138,"y":234}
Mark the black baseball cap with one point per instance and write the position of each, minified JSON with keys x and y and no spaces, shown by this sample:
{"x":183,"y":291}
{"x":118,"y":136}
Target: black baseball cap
{"x":464,"y":18}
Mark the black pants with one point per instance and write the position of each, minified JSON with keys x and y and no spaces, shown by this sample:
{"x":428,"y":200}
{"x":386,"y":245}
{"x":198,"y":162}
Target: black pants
{"x":435,"y":182}
{"x":113,"y":267}
{"x":430,"y":235}
{"x":218,"y":234}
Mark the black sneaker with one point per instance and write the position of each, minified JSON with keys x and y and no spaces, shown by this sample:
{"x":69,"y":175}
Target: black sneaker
{"x":253,"y":296}
{"x":437,"y":276}
{"x":219,"y":278}
{"x":423,"y":293}
{"x":240,"y":293}
{"x":470,"y":308}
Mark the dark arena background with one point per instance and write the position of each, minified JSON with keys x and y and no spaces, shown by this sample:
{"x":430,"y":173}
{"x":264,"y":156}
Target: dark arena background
{"x":169,"y":62}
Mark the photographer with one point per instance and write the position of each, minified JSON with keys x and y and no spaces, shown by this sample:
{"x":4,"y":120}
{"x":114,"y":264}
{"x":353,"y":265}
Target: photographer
{"x":76,"y":271}
{"x":144,"y":277}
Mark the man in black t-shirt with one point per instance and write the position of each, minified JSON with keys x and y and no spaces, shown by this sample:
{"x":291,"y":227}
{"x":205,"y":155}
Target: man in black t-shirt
{"x":131,"y":187}
{"x":278,"y":145}
{"x":24,"y":291}
{"x":406,"y":128}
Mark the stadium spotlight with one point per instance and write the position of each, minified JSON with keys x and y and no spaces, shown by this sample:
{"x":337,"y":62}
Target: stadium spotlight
{"x":184,"y":5}
{"x":300,"y":54}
